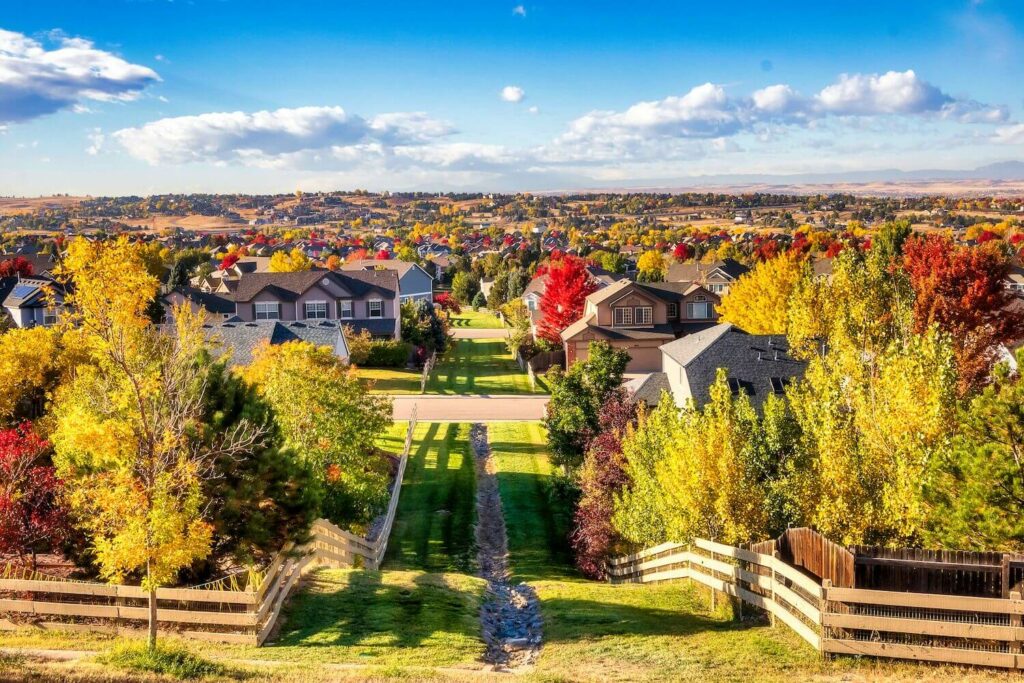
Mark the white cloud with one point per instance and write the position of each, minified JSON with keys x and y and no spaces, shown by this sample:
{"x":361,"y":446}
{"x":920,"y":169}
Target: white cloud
{"x":96,"y":140}
{"x":35,"y":81}
{"x":519,"y":11}
{"x":275,"y":137}
{"x":512,"y":93}
{"x":534,"y":109}
{"x":708,"y":111}
{"x":1010,"y":135}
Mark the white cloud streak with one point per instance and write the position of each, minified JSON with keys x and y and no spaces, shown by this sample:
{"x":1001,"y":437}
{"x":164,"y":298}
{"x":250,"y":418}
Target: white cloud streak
{"x":35,"y":81}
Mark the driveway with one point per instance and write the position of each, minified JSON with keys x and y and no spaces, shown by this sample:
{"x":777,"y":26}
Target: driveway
{"x":471,"y":408}
{"x":479,"y":333}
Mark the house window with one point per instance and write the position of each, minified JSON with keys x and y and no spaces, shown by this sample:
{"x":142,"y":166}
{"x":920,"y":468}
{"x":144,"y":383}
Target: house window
{"x":673,"y":311}
{"x":716,"y":288}
{"x":375,"y":309}
{"x":316,"y":310}
{"x":779,"y":384}
{"x":345,"y":309}
{"x":699,"y":311}
{"x":49,"y":316}
{"x":623,"y":316}
{"x":643,"y":315}
{"x":268,"y":310}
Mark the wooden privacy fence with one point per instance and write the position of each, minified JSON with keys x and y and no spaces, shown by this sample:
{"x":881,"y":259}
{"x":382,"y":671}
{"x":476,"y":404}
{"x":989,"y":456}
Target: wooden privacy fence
{"x":245,"y":615}
{"x":840,"y":620}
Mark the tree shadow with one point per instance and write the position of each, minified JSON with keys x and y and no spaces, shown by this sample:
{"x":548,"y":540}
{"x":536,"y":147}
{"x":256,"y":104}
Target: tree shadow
{"x":364,"y":613}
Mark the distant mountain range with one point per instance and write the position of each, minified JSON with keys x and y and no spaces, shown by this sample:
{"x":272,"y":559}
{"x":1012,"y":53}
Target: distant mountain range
{"x":1001,"y":178}
{"x":1003,"y":170}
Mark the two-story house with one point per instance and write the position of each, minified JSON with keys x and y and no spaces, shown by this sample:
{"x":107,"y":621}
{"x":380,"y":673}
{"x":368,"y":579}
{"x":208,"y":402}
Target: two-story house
{"x":715,"y":277}
{"x":639,"y":318}
{"x":414,"y":283}
{"x":363,"y":300}
{"x":32,"y":301}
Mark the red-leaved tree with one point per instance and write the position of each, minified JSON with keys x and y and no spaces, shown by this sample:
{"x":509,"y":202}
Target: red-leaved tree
{"x":565,"y":293}
{"x":963,"y":291}
{"x":229,"y":260}
{"x":383,"y":255}
{"x":19,"y":265}
{"x":448,"y":303}
{"x":594,"y":539}
{"x":682,"y":252}
{"x":32,"y":518}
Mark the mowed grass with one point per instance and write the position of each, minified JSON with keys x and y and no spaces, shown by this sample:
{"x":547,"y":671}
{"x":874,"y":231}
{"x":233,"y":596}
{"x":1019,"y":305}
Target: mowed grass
{"x":537,"y":529}
{"x":433,"y":528}
{"x":479,"y":366}
{"x":384,"y":618}
{"x":475,"y":320}
{"x":391,"y":380}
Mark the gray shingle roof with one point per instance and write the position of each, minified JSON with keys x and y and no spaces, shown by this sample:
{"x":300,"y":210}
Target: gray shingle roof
{"x":752,"y":361}
{"x":241,"y":339}
{"x":648,"y":388}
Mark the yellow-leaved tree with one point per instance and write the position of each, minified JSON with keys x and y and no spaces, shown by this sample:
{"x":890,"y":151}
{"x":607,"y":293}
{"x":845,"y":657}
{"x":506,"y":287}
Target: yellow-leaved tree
{"x":125,"y":425}
{"x":289,"y":262}
{"x":759,"y":301}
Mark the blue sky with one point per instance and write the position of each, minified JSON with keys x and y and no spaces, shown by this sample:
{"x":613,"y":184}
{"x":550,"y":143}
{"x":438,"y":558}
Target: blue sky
{"x":140,"y":96}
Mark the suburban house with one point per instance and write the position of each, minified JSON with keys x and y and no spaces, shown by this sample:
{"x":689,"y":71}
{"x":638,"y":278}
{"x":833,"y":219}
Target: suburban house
{"x":715,"y":277}
{"x":758,"y":365}
{"x":414,"y":283}
{"x":1015,"y":280}
{"x":362,"y":299}
{"x":241,"y":339}
{"x":31,"y":301}
{"x":534,"y":291}
{"x":639,"y":318}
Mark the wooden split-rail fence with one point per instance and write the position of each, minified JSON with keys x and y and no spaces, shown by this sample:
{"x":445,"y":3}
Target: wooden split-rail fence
{"x":218,"y":611}
{"x":934,"y":627}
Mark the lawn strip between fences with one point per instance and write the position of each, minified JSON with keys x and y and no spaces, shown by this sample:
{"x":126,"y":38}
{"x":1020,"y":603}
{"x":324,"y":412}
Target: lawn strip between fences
{"x":246,"y":616}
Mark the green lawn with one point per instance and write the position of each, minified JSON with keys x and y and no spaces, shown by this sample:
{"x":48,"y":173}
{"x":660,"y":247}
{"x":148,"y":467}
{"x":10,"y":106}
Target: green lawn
{"x":433,"y":528}
{"x":479,"y":366}
{"x":478,"y":320}
{"x":391,"y":380}
{"x":537,"y":529}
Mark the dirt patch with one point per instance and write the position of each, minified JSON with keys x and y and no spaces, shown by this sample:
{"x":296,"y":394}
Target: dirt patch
{"x":510,"y":616}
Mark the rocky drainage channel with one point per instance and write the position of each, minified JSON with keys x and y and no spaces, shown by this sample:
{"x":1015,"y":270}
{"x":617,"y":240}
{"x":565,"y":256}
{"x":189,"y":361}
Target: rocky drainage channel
{"x":511,"y":614}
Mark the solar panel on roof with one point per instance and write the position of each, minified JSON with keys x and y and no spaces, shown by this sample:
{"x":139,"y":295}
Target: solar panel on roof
{"x":22,"y":291}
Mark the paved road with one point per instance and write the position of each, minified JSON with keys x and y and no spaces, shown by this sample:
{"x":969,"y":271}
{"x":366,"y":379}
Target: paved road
{"x":473,"y":408}
{"x":483,"y":333}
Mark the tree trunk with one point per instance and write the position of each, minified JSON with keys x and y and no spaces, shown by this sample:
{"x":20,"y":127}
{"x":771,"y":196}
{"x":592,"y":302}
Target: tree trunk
{"x":151,"y":641}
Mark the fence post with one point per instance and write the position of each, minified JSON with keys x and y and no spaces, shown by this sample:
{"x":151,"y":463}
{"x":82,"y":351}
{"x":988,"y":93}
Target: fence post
{"x":771,"y":569}
{"x":1015,"y":620}
{"x":826,"y":584}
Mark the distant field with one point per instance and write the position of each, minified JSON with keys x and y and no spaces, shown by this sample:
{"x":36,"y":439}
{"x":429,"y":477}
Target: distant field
{"x":18,"y":205}
{"x":187,"y":223}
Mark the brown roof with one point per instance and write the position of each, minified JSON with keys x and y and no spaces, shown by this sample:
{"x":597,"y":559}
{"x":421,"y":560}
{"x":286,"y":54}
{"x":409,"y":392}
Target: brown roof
{"x":289,"y":286}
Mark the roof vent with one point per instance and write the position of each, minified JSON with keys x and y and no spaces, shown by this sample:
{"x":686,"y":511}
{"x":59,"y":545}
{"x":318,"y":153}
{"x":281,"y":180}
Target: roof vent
{"x":776,"y":354}
{"x":759,"y":355}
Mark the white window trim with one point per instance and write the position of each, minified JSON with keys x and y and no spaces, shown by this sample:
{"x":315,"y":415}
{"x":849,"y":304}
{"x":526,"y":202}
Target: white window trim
{"x":673,"y":310}
{"x":627,"y":316}
{"x":276,"y":310}
{"x":351,"y":309}
{"x":305,"y":310}
{"x":648,"y":318}
{"x":369,"y":311}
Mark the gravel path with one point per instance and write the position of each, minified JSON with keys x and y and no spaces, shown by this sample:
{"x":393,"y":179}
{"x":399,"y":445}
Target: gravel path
{"x":510,"y":616}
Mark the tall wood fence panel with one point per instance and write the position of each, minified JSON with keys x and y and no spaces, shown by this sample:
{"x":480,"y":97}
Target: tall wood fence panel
{"x":809,"y":550}
{"x":842,"y":620}
{"x":245,"y":615}
{"x":948,"y":572}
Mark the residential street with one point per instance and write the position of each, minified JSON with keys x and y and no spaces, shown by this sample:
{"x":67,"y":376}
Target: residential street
{"x":471,"y":408}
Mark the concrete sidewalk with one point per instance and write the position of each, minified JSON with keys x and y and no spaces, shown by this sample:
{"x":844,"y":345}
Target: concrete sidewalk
{"x":471,"y":408}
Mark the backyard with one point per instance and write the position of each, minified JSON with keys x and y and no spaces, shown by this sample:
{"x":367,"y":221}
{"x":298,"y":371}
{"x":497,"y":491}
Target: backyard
{"x":419,"y":617}
{"x":480,"y":366}
{"x":475,"y":320}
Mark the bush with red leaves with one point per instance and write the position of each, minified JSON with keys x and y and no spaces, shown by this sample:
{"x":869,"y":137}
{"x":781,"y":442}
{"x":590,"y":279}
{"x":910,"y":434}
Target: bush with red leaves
{"x":594,"y":539}
{"x":32,"y":517}
{"x":18,"y":265}
{"x":448,"y":303}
